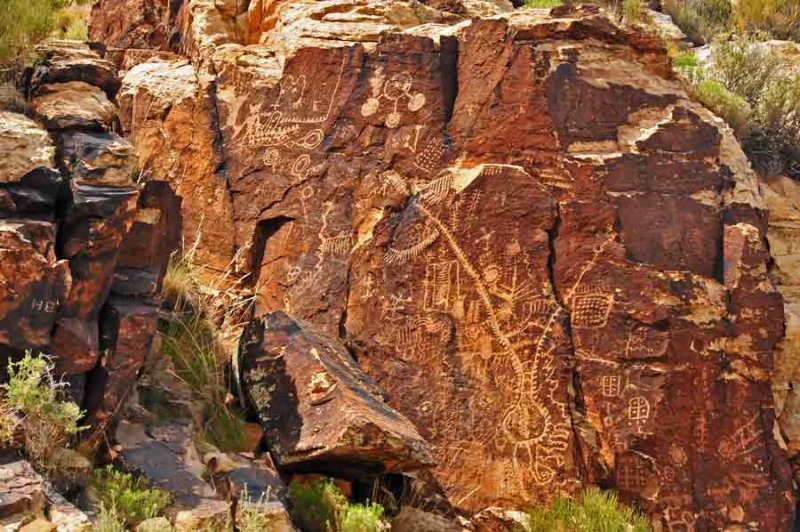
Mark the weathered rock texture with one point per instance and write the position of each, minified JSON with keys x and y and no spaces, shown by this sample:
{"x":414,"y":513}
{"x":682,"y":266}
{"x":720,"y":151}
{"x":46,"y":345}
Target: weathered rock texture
{"x":318,"y":409}
{"x":74,"y":228}
{"x":550,"y":259}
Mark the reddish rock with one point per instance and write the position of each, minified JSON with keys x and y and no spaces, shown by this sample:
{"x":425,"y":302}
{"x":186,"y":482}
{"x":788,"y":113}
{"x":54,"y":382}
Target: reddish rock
{"x":92,"y":233}
{"x":158,"y":99}
{"x":318,"y":410}
{"x":148,"y":246}
{"x":133,"y":23}
{"x":21,"y":490}
{"x":126,"y":337}
{"x":33,"y":285}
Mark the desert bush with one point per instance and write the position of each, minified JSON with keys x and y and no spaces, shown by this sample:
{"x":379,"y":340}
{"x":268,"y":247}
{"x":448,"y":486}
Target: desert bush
{"x":130,"y":499}
{"x":772,"y":136}
{"x":729,"y":106}
{"x":365,"y":517}
{"x":633,"y":10}
{"x":700,"y":20}
{"x":320,"y":506}
{"x":592,"y":511}
{"x":743,"y":68}
{"x":778,"y":18}
{"x":32,"y":396}
{"x":72,"y":22}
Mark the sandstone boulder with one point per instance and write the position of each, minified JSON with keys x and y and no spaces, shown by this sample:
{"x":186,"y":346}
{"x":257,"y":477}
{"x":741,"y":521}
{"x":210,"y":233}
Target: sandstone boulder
{"x":157,"y":101}
{"x":21,"y":490}
{"x":66,"y":61}
{"x":317,"y":408}
{"x":133,"y":23}
{"x":550,"y":259}
{"x":126,"y":336}
{"x":25,"y":146}
{"x":33,"y":285}
{"x":74,"y":105}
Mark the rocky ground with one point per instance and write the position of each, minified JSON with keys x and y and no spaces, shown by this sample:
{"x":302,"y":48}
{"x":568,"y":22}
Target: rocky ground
{"x":497,"y":251}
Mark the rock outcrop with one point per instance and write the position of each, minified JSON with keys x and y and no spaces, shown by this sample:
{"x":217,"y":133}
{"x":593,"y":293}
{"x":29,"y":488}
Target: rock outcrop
{"x":74,"y":228}
{"x":551,"y":261}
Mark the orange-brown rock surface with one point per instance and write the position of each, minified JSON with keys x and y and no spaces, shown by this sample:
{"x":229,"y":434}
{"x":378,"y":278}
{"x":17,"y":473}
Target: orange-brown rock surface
{"x":549,"y":258}
{"x":74,"y":227}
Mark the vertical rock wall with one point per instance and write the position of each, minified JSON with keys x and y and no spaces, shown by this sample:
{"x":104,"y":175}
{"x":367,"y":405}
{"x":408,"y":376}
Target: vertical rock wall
{"x":550,"y":259}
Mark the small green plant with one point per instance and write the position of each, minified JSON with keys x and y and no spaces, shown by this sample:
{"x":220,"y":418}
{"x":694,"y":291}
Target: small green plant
{"x":131,"y":499}
{"x":31,"y":397}
{"x":320,"y":506}
{"x":779,"y":18}
{"x":365,"y":517}
{"x":315,"y":504}
{"x":109,"y":520}
{"x":700,"y":20}
{"x":633,"y":11}
{"x":731,"y":107}
{"x":592,"y":511}
{"x":250,"y":515}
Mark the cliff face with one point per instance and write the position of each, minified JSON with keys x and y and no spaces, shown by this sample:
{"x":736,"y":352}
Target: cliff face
{"x":551,"y":260}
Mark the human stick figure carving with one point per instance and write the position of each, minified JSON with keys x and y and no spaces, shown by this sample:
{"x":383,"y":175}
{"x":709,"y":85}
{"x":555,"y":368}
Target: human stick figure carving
{"x":397,"y":89}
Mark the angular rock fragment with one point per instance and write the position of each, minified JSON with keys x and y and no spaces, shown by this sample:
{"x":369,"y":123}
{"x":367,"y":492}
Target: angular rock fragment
{"x":25,"y":147}
{"x":97,"y":159}
{"x":92,"y":233}
{"x":126,"y":335}
{"x":33,"y":285}
{"x":74,"y":104}
{"x":146,"y":249}
{"x":65,"y":61}
{"x":318,"y":409}
{"x":165,"y":456}
{"x":65,"y":515}
{"x":21,"y":490}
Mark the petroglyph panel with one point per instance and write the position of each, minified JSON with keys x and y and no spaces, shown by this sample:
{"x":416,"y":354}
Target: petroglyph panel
{"x":473,"y":305}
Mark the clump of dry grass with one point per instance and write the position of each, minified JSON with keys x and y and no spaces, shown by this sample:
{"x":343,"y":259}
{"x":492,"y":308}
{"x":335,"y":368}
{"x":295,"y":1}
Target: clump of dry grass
{"x":200,"y":336}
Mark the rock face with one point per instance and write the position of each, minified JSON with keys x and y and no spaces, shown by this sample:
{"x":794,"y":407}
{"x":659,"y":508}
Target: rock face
{"x":552,"y":262}
{"x":319,"y":411}
{"x":74,"y":227}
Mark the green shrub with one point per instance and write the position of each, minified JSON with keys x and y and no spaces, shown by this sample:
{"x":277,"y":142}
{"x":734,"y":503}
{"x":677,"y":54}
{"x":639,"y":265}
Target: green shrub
{"x":200,"y":337}
{"x":361,"y":517}
{"x":729,"y":106}
{"x":743,"y":68}
{"x":320,"y":506}
{"x":32,"y":395}
{"x":633,"y":10}
{"x":127,"y":497}
{"x":593,"y":511}
{"x":700,"y":20}
{"x":315,"y":504}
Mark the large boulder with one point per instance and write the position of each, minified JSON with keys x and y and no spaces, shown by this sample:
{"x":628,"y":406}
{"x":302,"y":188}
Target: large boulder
{"x":318,"y":410}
